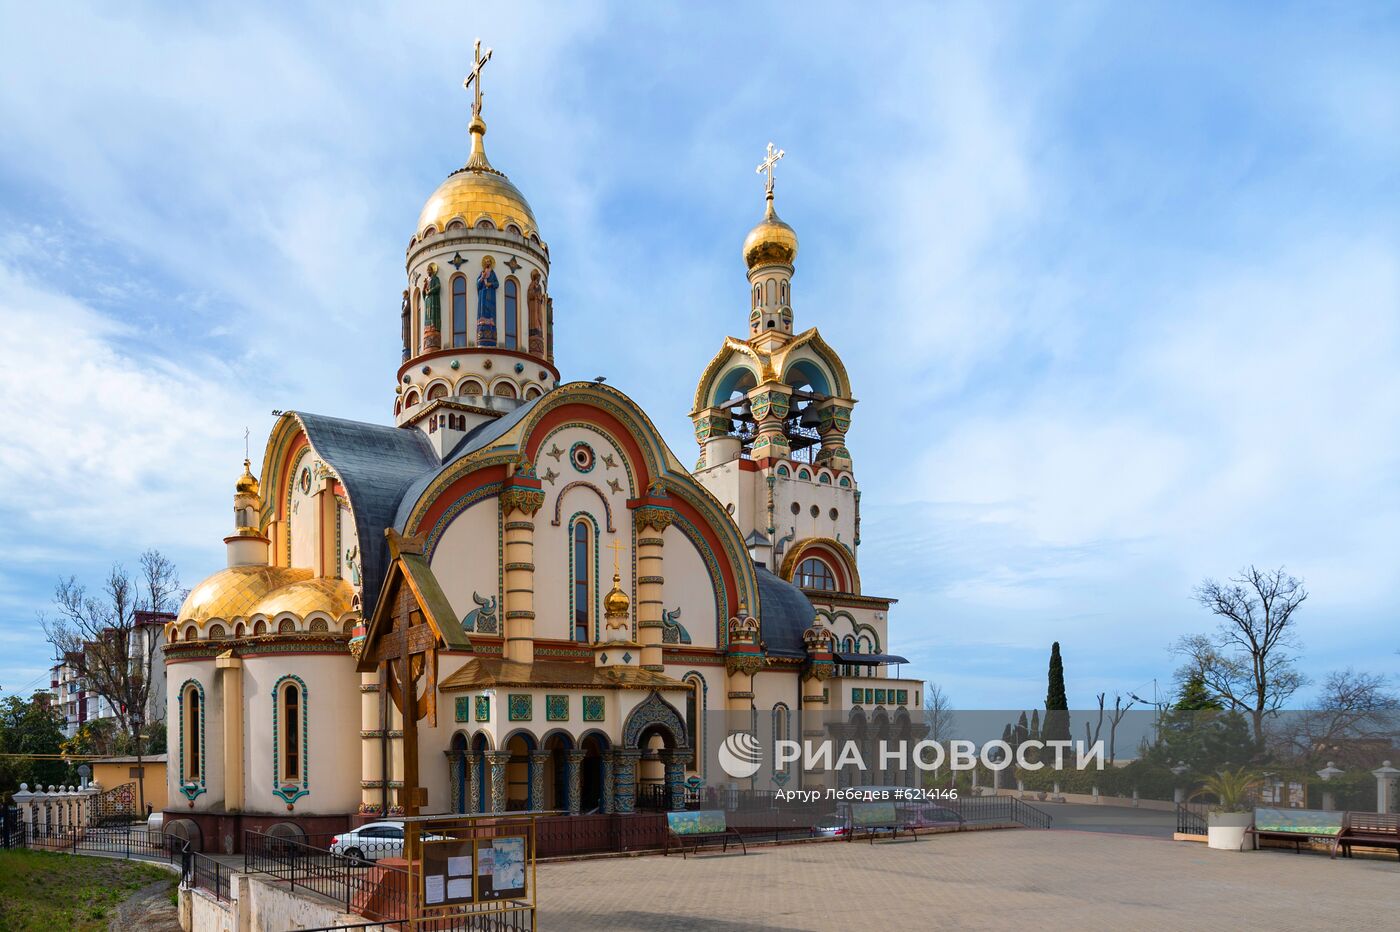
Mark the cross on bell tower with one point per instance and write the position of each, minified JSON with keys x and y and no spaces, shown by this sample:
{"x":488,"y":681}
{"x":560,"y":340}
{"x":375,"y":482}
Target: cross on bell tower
{"x":474,"y":78}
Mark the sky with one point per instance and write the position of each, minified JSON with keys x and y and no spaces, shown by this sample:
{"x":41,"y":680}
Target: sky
{"x":1117,"y":285}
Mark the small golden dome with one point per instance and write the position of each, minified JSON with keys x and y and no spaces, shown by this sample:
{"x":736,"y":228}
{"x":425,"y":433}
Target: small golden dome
{"x":616,"y":603}
{"x":247,"y":482}
{"x":234,"y":592}
{"x":477,"y":190}
{"x":322,"y":594}
{"x":772,"y":241}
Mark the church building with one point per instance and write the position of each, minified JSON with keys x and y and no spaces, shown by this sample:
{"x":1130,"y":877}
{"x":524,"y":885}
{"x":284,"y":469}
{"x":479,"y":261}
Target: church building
{"x":515,"y":596}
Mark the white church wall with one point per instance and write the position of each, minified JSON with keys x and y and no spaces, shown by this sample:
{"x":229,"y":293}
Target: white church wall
{"x":465,"y":560}
{"x":575,"y":490}
{"x":177,"y":771}
{"x":301,"y":516}
{"x":688,"y":587}
{"x":804,"y":494}
{"x":332,"y":716}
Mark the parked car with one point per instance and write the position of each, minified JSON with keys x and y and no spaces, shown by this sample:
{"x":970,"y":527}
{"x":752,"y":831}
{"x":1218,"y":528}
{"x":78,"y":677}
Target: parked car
{"x":915,"y":813}
{"x":370,"y":842}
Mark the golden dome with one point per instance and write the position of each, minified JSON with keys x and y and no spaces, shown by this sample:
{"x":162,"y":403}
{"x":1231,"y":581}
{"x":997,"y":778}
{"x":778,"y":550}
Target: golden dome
{"x":322,"y":594}
{"x":247,"y":482}
{"x":772,"y":241}
{"x":477,"y":190}
{"x":234,"y":592}
{"x":616,"y":603}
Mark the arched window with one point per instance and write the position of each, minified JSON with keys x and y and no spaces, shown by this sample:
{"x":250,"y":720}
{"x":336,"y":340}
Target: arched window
{"x":411,"y":399}
{"x":191,"y":633}
{"x":814,"y":574}
{"x":290,"y":713}
{"x":505,"y":390}
{"x":459,"y":310}
{"x":471,"y":387}
{"x":780,"y":722}
{"x":695,"y":717}
{"x":848,"y":647}
{"x":801,"y":473}
{"x":581,"y":567}
{"x":824,"y":479}
{"x":772,"y":297}
{"x":845,"y":482}
{"x":784,"y":471}
{"x":193,"y":711}
{"x":782,"y":293}
{"x":259,"y":629}
{"x":417,"y":322}
{"x":512,"y":314}
{"x":437,"y":391}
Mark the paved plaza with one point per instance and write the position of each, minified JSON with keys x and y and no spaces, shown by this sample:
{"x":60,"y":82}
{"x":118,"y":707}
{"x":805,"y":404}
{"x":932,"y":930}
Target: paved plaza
{"x":1010,"y":879}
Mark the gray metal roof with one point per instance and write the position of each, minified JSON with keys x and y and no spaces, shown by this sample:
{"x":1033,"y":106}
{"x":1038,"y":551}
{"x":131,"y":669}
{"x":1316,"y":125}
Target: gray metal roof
{"x":783,"y":613}
{"x":475,"y":439}
{"x":376,"y":463}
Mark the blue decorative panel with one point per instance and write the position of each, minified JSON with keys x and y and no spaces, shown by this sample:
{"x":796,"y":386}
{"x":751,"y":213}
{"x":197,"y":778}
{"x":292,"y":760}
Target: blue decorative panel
{"x":483,"y":708}
{"x":462,"y":708}
{"x":592,"y":708}
{"x":903,"y":697}
{"x":556,"y":708}
{"x":857,"y":695}
{"x":521,"y":706}
{"x":879,"y":697}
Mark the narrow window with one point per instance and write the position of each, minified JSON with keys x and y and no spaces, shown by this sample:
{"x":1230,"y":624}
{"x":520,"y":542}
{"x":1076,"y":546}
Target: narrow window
{"x":512,"y":302}
{"x":581,"y":581}
{"x":694,"y":707}
{"x":459,"y":310}
{"x":772,"y":298}
{"x":291,"y":732}
{"x":192,"y":730}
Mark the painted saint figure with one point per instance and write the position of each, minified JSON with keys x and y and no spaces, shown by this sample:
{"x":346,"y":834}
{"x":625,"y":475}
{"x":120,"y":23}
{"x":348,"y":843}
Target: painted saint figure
{"x":486,"y":285}
{"x":432,"y":309}
{"x":534,"y":298}
{"x":405,"y":324}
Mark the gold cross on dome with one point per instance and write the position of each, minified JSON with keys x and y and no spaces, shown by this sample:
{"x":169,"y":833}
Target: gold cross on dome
{"x":767,"y":165}
{"x":474,"y":78}
{"x":616,"y":548}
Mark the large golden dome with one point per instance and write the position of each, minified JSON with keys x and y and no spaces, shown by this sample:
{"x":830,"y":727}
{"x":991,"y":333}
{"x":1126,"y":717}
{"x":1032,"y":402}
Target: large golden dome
{"x":475,"y":191}
{"x":233,"y":593}
{"x":772,"y":241}
{"x":321,"y":594}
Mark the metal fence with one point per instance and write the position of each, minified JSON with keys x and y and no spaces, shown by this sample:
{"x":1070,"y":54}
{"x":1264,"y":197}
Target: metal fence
{"x":986,"y":809}
{"x":359,"y":884}
{"x":1191,"y":819}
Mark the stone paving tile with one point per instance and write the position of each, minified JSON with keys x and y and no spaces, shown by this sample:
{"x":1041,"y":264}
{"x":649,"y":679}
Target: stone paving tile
{"x":1016,"y":879}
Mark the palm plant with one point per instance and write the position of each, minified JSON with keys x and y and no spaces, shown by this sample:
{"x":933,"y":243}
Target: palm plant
{"x":1234,"y":789}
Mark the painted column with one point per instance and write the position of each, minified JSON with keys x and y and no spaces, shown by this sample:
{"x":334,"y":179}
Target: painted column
{"x":674,"y":762}
{"x":625,"y":779}
{"x":456,"y":765}
{"x":834,"y":419}
{"x":521,"y":500}
{"x":573,"y":762}
{"x":371,"y":744}
{"x":769,"y":404}
{"x":232,"y":676}
{"x":651,"y":521}
{"x":744,"y":658}
{"x":609,"y":796}
{"x":473,"y":781}
{"x":496,"y":779}
{"x":539,"y":764}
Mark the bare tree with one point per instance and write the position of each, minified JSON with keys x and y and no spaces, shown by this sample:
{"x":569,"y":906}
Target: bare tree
{"x":1115,"y":718}
{"x":1248,"y":662}
{"x":100,"y":632}
{"x":1356,"y":713}
{"x":938,"y":714}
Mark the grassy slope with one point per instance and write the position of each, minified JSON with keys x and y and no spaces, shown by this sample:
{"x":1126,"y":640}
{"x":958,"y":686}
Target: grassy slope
{"x":47,"y":892}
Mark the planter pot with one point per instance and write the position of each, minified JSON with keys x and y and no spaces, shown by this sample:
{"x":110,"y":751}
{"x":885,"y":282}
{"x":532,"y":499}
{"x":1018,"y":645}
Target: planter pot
{"x":1225,"y":830}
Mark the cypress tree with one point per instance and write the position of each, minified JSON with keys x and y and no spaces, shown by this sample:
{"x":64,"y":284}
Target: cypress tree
{"x":1056,"y":705}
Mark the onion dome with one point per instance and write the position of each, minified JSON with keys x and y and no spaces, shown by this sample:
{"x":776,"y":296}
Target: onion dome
{"x":616,"y":604}
{"x":236,"y":591}
{"x":771,"y":242}
{"x":477,"y":191}
{"x":247,"y":483}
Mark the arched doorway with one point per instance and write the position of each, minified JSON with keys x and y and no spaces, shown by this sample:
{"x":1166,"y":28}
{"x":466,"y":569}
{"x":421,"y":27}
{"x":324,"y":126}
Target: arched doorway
{"x":518,"y":783}
{"x":556,"y":778}
{"x":457,"y":773}
{"x":656,"y":731}
{"x":595,"y":745}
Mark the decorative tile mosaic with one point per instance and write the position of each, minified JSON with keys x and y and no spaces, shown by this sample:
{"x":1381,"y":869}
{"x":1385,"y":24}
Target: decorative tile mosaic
{"x":556,"y":708}
{"x":879,"y":697}
{"x":522,"y":707}
{"x":857,"y":695}
{"x":903,"y":695}
{"x":483,"y":708}
{"x":592,"y":708}
{"x":462,"y":708}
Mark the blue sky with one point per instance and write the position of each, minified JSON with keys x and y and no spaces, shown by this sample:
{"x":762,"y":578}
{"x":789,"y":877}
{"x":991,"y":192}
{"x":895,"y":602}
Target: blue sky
{"x":1118,"y":285}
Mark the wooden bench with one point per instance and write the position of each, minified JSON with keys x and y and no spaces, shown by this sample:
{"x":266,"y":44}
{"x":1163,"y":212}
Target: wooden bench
{"x":874,"y":818}
{"x":1368,"y":830}
{"x":1296,"y":825}
{"x":700,"y":827}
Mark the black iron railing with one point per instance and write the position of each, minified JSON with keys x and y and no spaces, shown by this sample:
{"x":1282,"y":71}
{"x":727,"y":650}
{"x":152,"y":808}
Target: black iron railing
{"x":985,"y":809}
{"x":1191,"y":819}
{"x":359,"y":884}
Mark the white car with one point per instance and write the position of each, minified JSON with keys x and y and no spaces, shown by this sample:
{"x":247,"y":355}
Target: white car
{"x":370,"y":842}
